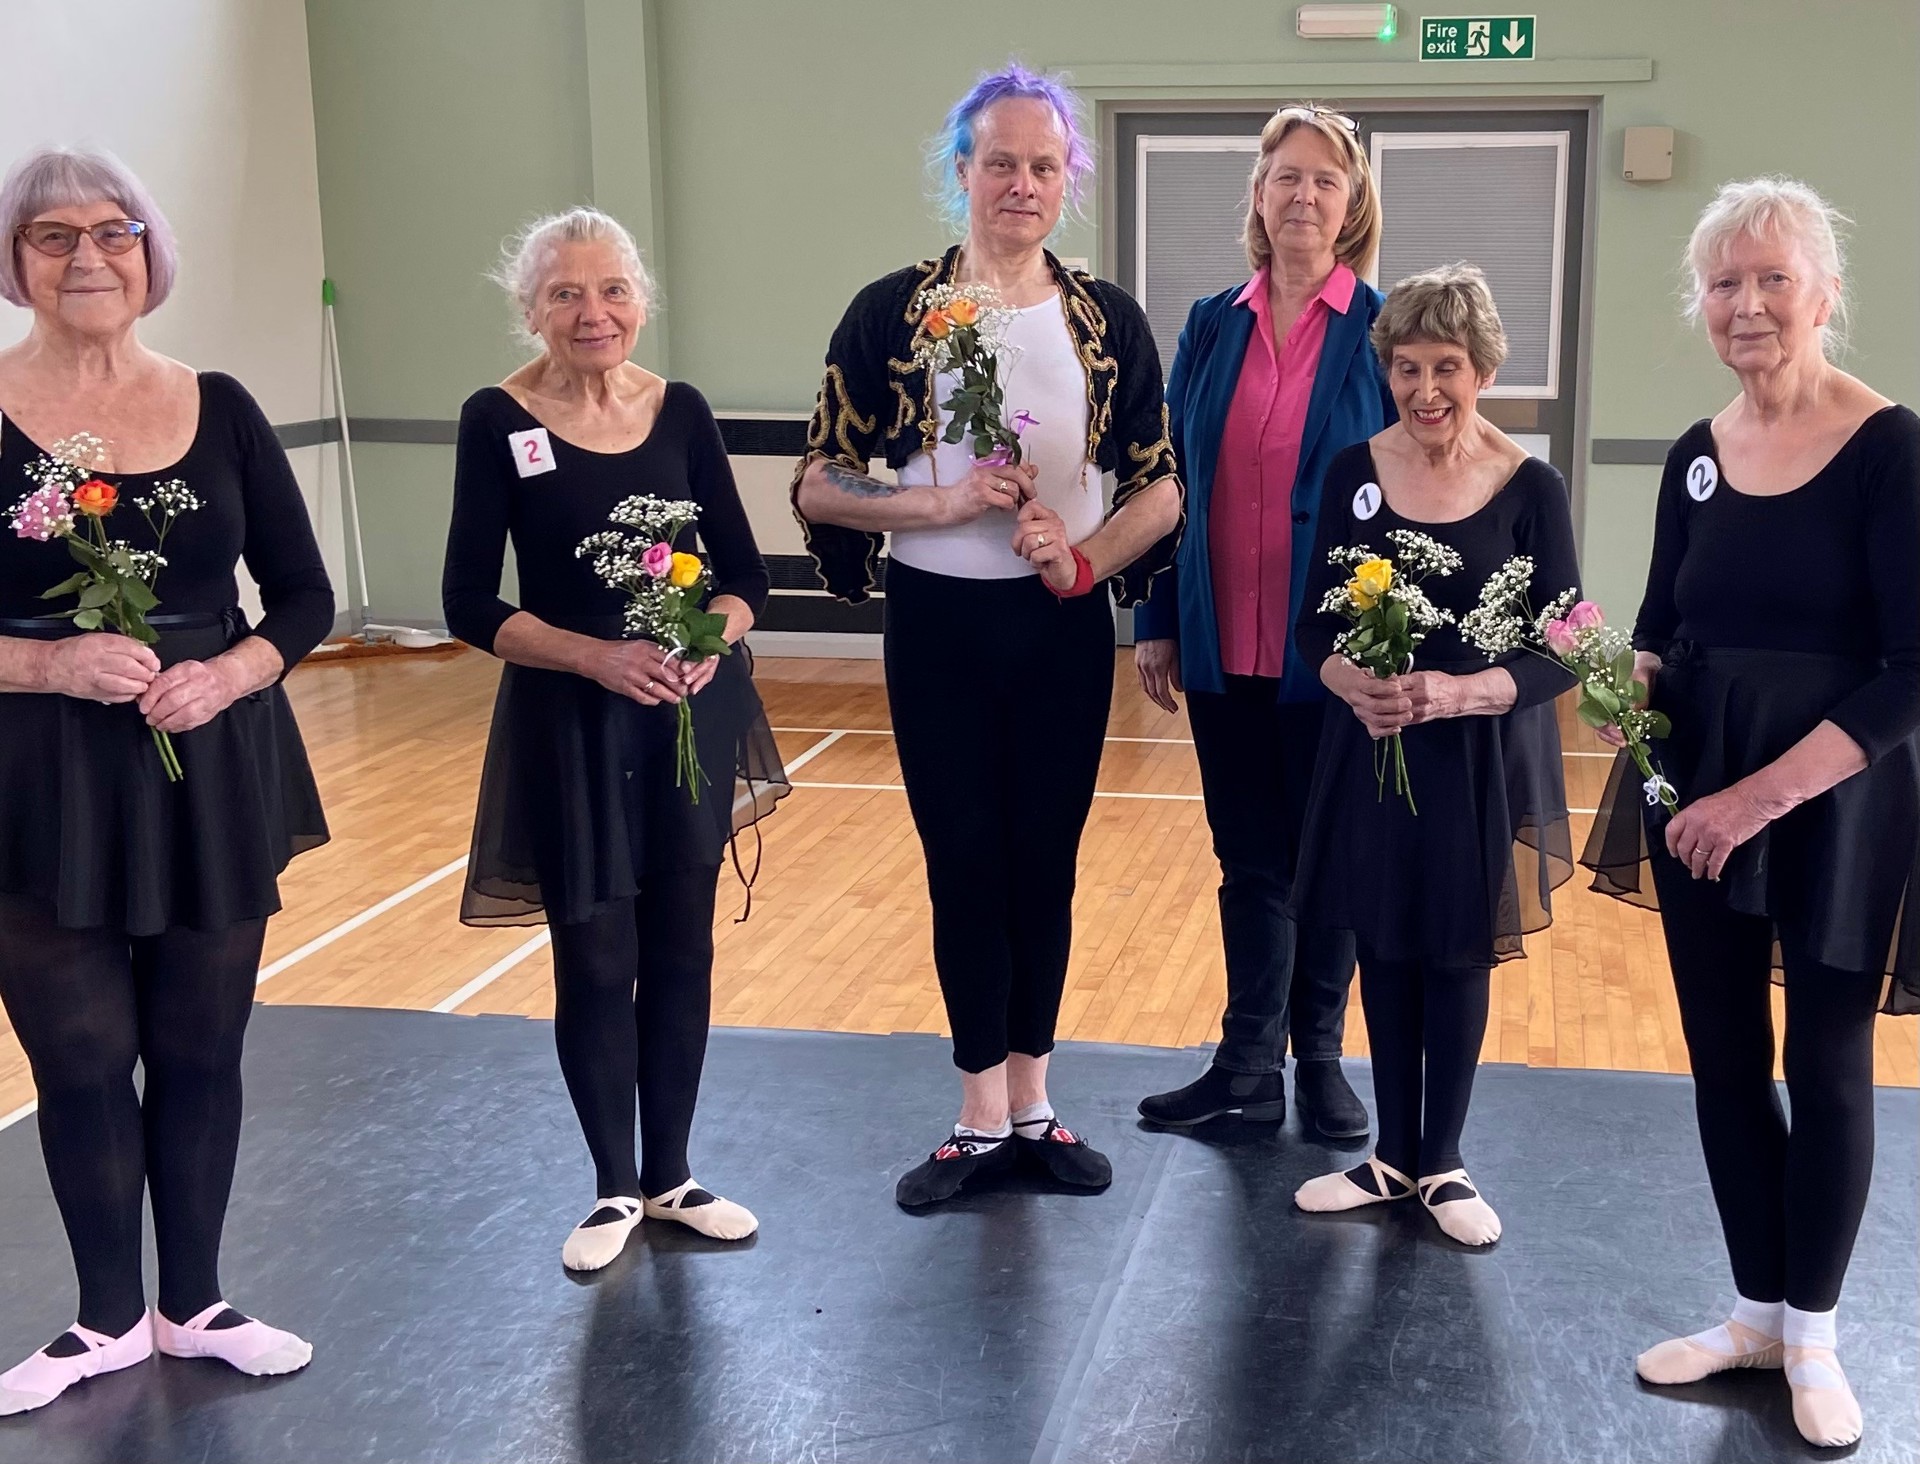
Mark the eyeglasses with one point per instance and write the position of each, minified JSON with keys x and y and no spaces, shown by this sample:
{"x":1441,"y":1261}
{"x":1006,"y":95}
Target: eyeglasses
{"x":110,"y":236}
{"x":1310,"y":110}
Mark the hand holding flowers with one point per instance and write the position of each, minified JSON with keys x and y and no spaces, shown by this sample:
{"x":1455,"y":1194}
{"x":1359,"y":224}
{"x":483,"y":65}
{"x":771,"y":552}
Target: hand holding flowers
{"x":963,"y":330}
{"x":664,"y":589}
{"x":1574,"y":633}
{"x":115,"y":581}
{"x":1388,"y":616}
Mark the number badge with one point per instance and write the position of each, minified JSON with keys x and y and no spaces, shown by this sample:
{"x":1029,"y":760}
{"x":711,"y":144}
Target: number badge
{"x":532,"y":452}
{"x":1366,"y":500}
{"x":1703,"y":476}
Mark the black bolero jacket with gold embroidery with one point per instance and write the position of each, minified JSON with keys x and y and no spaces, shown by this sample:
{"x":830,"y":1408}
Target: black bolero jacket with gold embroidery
{"x":875,"y":401}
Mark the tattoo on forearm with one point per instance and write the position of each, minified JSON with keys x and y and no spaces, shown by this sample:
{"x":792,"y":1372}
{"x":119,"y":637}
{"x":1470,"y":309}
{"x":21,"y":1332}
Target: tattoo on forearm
{"x":859,"y":485}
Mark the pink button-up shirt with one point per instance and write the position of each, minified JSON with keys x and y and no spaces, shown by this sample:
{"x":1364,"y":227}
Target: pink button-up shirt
{"x":1250,"y":513}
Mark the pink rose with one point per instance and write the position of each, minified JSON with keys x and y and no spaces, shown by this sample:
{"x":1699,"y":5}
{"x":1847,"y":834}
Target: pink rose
{"x":658,"y":560}
{"x":1560,"y":638}
{"x":44,"y":514}
{"x":1585,"y":616}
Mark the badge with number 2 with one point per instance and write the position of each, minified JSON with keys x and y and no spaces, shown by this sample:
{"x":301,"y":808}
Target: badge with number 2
{"x":532,"y":452}
{"x":1366,"y":500}
{"x":1702,"y":478}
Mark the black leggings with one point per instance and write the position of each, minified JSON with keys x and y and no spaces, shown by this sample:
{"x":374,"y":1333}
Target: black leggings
{"x":1424,"y":1027}
{"x":1790,"y":1199}
{"x":88,"y":1004}
{"x":633,"y":994}
{"x":999,"y":696}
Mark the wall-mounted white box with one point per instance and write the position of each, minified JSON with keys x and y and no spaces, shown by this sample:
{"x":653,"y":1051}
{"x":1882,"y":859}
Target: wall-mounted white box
{"x":1647,"y":156}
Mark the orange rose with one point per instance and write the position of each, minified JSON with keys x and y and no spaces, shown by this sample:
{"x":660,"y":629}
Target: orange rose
{"x":939,"y":324}
{"x":964,"y":311}
{"x":96,"y":497}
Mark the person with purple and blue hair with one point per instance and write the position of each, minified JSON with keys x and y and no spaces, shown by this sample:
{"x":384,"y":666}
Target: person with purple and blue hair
{"x":999,"y":630}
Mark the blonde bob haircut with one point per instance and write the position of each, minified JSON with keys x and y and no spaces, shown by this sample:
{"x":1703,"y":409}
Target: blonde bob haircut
{"x":1788,"y":212}
{"x":1449,"y":306}
{"x":1359,"y":238}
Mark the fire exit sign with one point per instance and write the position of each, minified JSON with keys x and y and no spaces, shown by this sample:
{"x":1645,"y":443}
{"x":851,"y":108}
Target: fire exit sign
{"x":1476,"y":37}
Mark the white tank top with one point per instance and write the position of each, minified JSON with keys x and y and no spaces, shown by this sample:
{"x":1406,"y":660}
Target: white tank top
{"x":1047,"y":381}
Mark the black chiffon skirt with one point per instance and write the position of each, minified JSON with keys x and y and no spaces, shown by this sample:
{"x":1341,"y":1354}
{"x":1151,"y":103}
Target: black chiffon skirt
{"x":578,"y":801}
{"x":90,"y":824}
{"x":1459,"y":883}
{"x":1835,"y":876}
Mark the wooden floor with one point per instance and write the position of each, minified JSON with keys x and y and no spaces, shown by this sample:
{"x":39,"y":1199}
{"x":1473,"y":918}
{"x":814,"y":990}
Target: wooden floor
{"x":839,"y":936}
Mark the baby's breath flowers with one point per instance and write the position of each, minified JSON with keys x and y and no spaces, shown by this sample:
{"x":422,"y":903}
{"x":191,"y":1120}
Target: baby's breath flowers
{"x":70,"y":501}
{"x":1388,"y":616}
{"x":1574,"y":633}
{"x":963,"y":329}
{"x":664,"y":589}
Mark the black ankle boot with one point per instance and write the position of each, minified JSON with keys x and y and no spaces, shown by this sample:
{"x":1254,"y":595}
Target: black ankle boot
{"x":1261,"y":1097}
{"x":1326,"y":1100}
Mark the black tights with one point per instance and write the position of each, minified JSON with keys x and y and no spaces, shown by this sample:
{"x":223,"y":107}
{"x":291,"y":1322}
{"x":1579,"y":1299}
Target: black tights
{"x":1790,"y":1199}
{"x":88,"y":1004}
{"x":1424,"y":1027}
{"x":633,"y":993}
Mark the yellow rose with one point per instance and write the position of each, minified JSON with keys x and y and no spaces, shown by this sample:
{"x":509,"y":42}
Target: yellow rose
{"x":685,"y":570}
{"x":963,"y":311}
{"x":1370,"y":582}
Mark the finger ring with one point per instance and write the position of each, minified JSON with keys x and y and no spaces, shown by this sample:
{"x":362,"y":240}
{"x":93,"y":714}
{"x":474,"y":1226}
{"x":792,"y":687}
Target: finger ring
{"x":1041,"y":542}
{"x":648,"y":686}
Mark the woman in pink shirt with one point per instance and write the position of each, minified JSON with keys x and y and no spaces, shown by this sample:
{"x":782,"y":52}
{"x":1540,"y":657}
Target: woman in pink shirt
{"x":1270,"y":381}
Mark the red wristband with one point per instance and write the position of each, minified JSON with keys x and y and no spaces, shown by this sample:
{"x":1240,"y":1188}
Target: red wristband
{"x":1082,"y":578}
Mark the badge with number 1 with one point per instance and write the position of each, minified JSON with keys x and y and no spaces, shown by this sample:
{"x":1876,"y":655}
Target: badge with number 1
{"x":532,"y":452}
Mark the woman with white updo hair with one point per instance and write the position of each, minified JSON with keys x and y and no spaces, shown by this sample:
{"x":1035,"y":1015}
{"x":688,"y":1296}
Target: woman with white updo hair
{"x":1781,"y":634}
{"x":583,"y":821}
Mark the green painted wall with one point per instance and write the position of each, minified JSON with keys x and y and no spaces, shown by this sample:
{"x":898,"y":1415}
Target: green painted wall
{"x":771,"y":155}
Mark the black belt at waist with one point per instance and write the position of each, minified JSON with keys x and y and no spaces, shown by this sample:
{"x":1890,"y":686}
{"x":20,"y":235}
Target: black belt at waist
{"x":232,"y":620}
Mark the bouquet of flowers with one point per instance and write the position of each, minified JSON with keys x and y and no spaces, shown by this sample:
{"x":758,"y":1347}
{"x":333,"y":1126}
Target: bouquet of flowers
{"x":1574,"y":633}
{"x":963,"y":329}
{"x":1389,"y":616}
{"x":115,"y":581}
{"x":664,"y":590}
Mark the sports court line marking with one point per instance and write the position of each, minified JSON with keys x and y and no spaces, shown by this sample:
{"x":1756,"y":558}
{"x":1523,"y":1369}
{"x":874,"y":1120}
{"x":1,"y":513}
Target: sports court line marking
{"x":888,"y":732}
{"x":493,"y":973}
{"x":19,"y":1113}
{"x":1098,"y":793}
{"x":839,"y":732}
{"x":812,"y":752}
{"x":353,"y":923}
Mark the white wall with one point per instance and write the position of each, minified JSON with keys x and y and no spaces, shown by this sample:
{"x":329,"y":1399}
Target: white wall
{"x":210,"y":102}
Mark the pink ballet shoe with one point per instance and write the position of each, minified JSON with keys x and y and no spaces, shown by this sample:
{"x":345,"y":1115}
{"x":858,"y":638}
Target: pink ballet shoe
{"x":1824,"y":1407}
{"x":252,"y":1347}
{"x":1689,"y":1359}
{"x":40,"y":1379}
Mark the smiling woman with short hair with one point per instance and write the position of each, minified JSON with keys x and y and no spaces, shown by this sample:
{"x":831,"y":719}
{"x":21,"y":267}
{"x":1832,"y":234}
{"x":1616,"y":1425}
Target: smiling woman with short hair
{"x":1435,"y":899}
{"x":133,"y":909}
{"x":1781,"y":633}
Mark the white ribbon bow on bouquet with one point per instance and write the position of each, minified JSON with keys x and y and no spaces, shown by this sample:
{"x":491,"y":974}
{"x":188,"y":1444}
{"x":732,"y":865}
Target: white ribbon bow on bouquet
{"x":1654,"y":787}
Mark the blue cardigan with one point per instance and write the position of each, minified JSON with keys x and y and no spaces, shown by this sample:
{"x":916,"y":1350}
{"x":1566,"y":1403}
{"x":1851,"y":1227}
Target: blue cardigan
{"x":1350,"y":403}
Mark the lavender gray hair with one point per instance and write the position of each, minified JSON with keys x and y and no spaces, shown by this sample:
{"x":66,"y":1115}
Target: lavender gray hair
{"x":526,"y":257}
{"x":67,"y":177}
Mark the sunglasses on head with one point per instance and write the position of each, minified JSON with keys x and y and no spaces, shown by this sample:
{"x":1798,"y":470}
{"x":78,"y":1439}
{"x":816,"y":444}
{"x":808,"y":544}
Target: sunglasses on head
{"x":110,"y":236}
{"x":1310,"y":110}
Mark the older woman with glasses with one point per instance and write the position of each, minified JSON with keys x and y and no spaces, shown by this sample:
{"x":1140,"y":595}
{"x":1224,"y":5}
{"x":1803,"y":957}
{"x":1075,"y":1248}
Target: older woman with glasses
{"x":1271,"y":380}
{"x":133,"y":906}
{"x":999,"y":632}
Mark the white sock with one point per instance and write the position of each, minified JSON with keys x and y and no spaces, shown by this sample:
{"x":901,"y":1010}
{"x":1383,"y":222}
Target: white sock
{"x":1034,"y":1116}
{"x":1819,"y":1331}
{"x":1761,"y":1316}
{"x":985,"y":1138}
